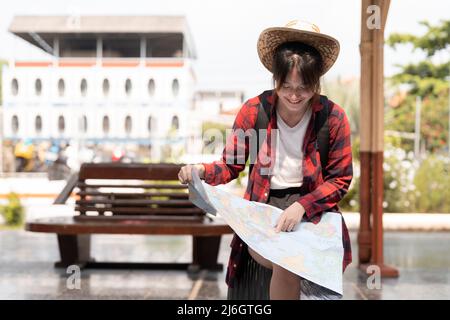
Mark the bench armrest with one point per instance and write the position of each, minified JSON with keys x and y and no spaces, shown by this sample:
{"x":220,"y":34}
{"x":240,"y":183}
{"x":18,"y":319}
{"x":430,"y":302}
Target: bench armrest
{"x":67,"y":190}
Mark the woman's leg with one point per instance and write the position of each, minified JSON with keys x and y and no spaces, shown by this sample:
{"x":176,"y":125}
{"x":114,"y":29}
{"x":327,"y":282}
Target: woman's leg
{"x":284,"y":285}
{"x":258,"y":258}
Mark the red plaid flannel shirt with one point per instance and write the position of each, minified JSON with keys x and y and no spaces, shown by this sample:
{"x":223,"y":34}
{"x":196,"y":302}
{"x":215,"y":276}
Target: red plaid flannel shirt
{"x":324,"y":192}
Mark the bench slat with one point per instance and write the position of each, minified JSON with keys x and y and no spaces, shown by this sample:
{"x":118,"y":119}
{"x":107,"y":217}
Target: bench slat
{"x":140,"y":218}
{"x":149,"y":211}
{"x":138,"y":186}
{"x":67,"y":225}
{"x":135,"y":195}
{"x":166,"y":203}
{"x":130,"y":171}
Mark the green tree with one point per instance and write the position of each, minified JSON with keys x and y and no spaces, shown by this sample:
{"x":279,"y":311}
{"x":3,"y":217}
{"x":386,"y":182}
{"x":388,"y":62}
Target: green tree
{"x":427,"y":79}
{"x":13,"y":213}
{"x":433,"y":185}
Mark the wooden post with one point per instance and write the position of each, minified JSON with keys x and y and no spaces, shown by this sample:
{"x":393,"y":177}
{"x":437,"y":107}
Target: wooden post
{"x":370,"y":237}
{"x":365,"y":47}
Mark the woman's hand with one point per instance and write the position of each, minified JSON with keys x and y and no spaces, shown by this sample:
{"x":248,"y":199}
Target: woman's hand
{"x":185,"y":174}
{"x":290,"y":217}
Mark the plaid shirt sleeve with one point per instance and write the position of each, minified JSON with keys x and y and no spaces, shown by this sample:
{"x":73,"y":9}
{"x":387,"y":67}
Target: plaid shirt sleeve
{"x":339,"y":169}
{"x":236,"y":150}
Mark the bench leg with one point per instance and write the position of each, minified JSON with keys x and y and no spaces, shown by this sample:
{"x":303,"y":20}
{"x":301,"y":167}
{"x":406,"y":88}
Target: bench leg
{"x":205,"y":252}
{"x":74,"y":250}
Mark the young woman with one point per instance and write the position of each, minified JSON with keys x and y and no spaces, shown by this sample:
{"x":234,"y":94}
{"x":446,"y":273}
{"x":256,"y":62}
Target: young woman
{"x":297,"y":55}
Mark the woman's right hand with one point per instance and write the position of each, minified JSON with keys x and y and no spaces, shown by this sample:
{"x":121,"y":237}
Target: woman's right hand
{"x":185,"y":174}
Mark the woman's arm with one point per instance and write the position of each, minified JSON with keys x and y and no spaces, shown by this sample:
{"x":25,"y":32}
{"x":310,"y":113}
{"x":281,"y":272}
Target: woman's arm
{"x":236,"y":151}
{"x":339,"y":168}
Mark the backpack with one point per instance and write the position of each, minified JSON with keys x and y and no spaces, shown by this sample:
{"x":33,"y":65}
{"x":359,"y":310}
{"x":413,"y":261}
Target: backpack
{"x":320,"y":127}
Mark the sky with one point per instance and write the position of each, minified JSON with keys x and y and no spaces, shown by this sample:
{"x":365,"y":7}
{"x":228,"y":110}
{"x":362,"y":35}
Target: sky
{"x":225,"y":32}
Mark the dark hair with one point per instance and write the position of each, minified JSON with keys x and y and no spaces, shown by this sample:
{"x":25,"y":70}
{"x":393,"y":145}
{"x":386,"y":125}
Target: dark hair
{"x":304,"y":58}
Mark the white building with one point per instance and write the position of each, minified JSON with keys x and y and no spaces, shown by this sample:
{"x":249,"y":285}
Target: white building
{"x":117,"y":79}
{"x":213,"y":102}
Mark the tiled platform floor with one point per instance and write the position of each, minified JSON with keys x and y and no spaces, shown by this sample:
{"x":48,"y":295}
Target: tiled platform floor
{"x":26,"y":269}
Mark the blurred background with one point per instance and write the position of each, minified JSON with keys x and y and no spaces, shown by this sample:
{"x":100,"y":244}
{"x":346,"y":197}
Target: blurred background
{"x":82,"y":81}
{"x":113,"y":81}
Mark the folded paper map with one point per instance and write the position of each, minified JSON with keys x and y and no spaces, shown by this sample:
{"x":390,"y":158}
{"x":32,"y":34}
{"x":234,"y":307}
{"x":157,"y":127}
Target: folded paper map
{"x":313,"y":251}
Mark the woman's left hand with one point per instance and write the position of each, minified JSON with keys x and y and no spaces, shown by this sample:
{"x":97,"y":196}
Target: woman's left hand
{"x":290,"y":217}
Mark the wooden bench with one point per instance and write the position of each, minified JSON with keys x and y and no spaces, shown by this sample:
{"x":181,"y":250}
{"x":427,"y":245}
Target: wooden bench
{"x":122,"y":198}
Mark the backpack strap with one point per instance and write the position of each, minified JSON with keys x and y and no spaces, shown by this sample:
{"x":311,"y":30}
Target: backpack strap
{"x":262,"y":122}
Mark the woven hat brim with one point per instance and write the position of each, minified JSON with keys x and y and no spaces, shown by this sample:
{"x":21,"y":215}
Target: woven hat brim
{"x":271,"y":38}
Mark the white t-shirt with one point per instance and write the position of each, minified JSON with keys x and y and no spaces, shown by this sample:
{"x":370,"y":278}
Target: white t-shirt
{"x":288,"y":169}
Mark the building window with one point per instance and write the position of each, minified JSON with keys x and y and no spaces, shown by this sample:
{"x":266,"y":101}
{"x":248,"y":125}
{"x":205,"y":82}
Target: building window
{"x":165,"y":45}
{"x":122,"y":47}
{"x":38,"y":124}
{"x":175,"y":123}
{"x":105,"y":87}
{"x":73,"y":46}
{"x":175,"y":87}
{"x":128,"y":125}
{"x":61,"y":124}
{"x":15,"y":124}
{"x":84,"y":124}
{"x":61,"y":87}
{"x":151,"y":124}
{"x":151,"y":87}
{"x":83,"y":87}
{"x":38,"y":87}
{"x":128,"y":87}
{"x":105,"y":125}
{"x":14,"y":87}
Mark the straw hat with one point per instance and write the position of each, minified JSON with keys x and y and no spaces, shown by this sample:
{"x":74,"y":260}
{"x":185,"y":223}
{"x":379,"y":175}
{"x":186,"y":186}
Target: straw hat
{"x":300,"y":31}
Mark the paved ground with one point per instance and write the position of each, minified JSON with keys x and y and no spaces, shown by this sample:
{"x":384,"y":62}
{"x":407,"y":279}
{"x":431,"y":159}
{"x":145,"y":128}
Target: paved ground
{"x":26,"y":269}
